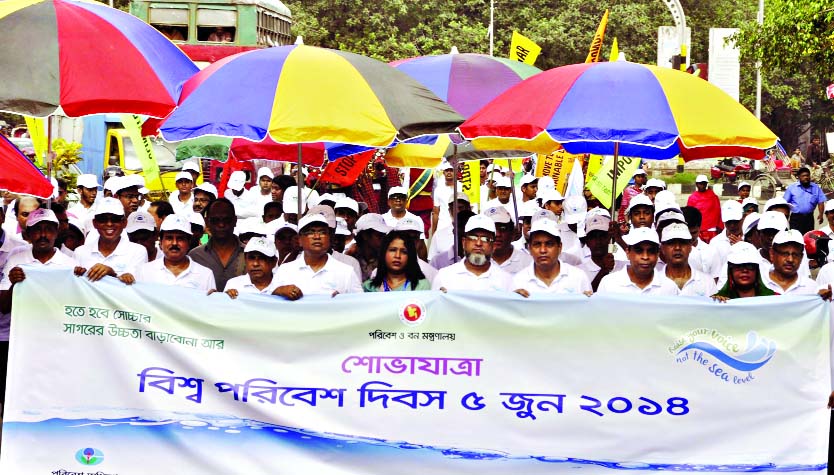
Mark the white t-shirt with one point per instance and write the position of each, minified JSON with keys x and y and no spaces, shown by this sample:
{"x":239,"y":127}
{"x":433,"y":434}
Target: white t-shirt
{"x":243,"y":284}
{"x":517,"y":262}
{"x":458,"y":277}
{"x":257,"y":200}
{"x":181,"y":207}
{"x":335,"y":276}
{"x":392,"y":221}
{"x":705,"y":259}
{"x":195,"y":276}
{"x":620,"y":283}
{"x":125,"y":259}
{"x":699,"y":284}
{"x":571,"y":280}
{"x":802,"y":286}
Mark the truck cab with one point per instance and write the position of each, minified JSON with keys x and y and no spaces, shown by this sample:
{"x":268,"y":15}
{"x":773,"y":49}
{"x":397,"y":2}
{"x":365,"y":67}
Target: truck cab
{"x":120,"y":151}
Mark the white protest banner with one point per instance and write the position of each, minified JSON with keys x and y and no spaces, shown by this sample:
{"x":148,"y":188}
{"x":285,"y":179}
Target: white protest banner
{"x":145,"y":379}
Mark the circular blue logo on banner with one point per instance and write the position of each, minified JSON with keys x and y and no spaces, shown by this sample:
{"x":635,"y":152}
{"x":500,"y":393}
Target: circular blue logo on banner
{"x":89,"y":456}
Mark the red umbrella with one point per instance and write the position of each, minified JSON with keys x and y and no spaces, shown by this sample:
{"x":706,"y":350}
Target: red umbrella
{"x":19,"y":175}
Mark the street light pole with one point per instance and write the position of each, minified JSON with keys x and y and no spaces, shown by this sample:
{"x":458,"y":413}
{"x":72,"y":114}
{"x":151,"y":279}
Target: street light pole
{"x":491,"y":24}
{"x":760,"y":20}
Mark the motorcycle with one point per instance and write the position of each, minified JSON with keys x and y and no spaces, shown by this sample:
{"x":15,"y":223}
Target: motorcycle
{"x":730,"y":169}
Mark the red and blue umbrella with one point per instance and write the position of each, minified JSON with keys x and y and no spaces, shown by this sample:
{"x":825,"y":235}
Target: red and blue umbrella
{"x":86,"y":58}
{"x":466,"y":81}
{"x":644,"y":111}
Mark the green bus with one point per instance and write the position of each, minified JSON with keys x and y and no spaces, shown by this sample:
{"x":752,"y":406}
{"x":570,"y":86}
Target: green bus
{"x":209,"y":30}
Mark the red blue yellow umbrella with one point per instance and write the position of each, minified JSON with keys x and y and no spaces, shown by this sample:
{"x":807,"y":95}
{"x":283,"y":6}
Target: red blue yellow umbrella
{"x":304,"y":94}
{"x":645,"y":111}
{"x":85,"y":58}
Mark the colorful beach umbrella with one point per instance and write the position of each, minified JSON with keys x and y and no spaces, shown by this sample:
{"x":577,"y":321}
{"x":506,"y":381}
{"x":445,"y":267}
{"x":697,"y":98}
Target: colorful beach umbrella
{"x":304,"y":94}
{"x":466,"y":81}
{"x":86,"y":58}
{"x":643,"y":111}
{"x":19,"y":175}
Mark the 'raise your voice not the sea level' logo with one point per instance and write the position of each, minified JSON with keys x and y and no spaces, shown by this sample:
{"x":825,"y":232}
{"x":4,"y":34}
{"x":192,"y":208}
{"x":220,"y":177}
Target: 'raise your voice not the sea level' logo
{"x":721,"y":356}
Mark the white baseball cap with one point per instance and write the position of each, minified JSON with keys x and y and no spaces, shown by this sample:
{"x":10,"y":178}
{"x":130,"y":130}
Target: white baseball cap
{"x":327,"y":197}
{"x":676,"y":231}
{"x":139,"y":221}
{"x":665,"y":199}
{"x":87,"y":180}
{"x":480,"y":221}
{"x":348,"y":203}
{"x":311,"y":218}
{"x":638,"y":235}
{"x":743,"y":184}
{"x":183,"y":176}
{"x":265,"y":171}
{"x":750,"y":222}
{"x":527,"y":179}
{"x":237,"y":180}
{"x":597,"y":222}
{"x":135,"y":179}
{"x":545,"y":184}
{"x":749,"y":201}
{"x":444,"y":165}
{"x":656,"y":183}
{"x":42,"y":214}
{"x":109,"y":206}
{"x":575,"y":208}
{"x":731,"y":211}
{"x":670,"y":215}
{"x":397,"y":190}
{"x":110,"y":183}
{"x":639,"y":200}
{"x":773,"y":220}
{"x":776,"y":202}
{"x":499,"y":214}
{"x":191,"y":166}
{"x":372,"y":221}
{"x":789,"y":236}
{"x":176,"y":222}
{"x":526,"y":209}
{"x":829,"y":205}
{"x":290,"y":201}
{"x":197,"y":218}
{"x":551,"y":195}
{"x":276,"y":225}
{"x":259,"y":244}
{"x":342,"y":227}
{"x":461,"y":196}
{"x":743,"y":253}
{"x":409,"y":223}
{"x":548,"y":226}
{"x":327,"y":212}
{"x":701,"y":179}
{"x":207,"y":188}
{"x":542,"y":214}
{"x":503,"y":182}
{"x":639,"y":171}
{"x":119,"y":183}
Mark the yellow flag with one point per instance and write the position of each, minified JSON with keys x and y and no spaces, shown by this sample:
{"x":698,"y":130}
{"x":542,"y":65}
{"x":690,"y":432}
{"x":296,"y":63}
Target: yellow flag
{"x":37,"y":132}
{"x":601,"y":183}
{"x":615,"y":51}
{"x":144,"y":151}
{"x":556,"y":165}
{"x":524,"y":49}
{"x":471,"y":181}
{"x":596,"y":45}
{"x":594,"y":164}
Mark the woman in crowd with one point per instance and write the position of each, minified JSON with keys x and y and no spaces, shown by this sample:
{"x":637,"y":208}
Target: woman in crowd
{"x":398,"y":268}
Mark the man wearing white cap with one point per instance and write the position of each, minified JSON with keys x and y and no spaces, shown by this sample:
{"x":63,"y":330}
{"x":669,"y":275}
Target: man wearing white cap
{"x":348,"y":209}
{"x":770,"y":224}
{"x":596,"y":260}
{"x":111,"y":253}
{"x":443,"y":238}
{"x":126,"y":190}
{"x":631,"y":191}
{"x":204,"y":194}
{"x":182,"y":200}
{"x":330,"y":219}
{"x":475,"y":272}
{"x":442,"y":191}
{"x":529,"y":187}
{"x":786,"y":254}
{"x":176,"y":268}
{"x":701,"y":257}
{"x":315,"y":271}
{"x":261,"y":194}
{"x":141,"y":229}
{"x":259,"y":278}
{"x":236,"y":193}
{"x":639,"y":277}
{"x":192,"y":167}
{"x":675,"y":246}
{"x":546,"y":273}
{"x":708,"y":203}
{"x":371,"y":228}
{"x":653,"y":187}
{"x":505,"y":255}
{"x":87,"y":187}
{"x":778,"y":204}
{"x":525,"y":218}
{"x":744,"y":189}
{"x":553,"y":201}
{"x":290,"y":205}
{"x":41,"y":230}
{"x":397,"y":201}
{"x":731,"y":214}
{"x":828,"y":210}
{"x":503,"y":192}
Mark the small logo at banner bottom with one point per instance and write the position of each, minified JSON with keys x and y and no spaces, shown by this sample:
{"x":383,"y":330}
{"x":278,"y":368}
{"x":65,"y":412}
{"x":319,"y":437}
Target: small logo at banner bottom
{"x":413,"y":313}
{"x":89,"y":456}
{"x":721,"y":356}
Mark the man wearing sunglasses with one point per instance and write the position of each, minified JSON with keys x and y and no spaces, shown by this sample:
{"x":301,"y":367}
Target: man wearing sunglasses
{"x":111,"y":253}
{"x":476,"y":271}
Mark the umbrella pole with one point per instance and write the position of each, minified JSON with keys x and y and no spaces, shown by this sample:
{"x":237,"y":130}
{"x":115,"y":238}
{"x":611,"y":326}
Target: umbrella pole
{"x":614,"y":182}
{"x":48,"y":158}
{"x":299,"y":182}
{"x":512,"y":190}
{"x":455,"y":200}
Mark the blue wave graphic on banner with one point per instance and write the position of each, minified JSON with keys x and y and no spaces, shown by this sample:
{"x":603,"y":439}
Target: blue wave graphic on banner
{"x":759,"y":351}
{"x":222,"y":432}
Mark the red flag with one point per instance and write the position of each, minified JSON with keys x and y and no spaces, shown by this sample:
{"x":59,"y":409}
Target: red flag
{"x":231,"y":165}
{"x":19,"y":175}
{"x":346,"y":170}
{"x":830,"y":91}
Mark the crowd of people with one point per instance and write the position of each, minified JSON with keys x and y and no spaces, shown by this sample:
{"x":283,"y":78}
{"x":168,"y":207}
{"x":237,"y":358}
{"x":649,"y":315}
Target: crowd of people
{"x":526,"y":239}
